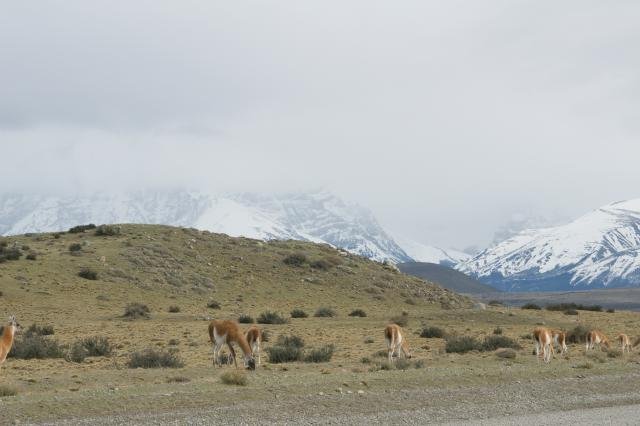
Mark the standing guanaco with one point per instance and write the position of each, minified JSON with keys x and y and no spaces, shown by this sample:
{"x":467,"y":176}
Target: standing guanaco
{"x":6,"y":340}
{"x":223,"y":332}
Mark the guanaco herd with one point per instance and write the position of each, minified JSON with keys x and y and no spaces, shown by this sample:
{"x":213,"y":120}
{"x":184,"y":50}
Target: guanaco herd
{"x":228,"y":332}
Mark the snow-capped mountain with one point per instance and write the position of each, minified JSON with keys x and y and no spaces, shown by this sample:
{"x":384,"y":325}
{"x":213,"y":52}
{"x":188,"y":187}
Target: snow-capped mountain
{"x":431,"y":254}
{"x":599,"y":249}
{"x":317,"y":216}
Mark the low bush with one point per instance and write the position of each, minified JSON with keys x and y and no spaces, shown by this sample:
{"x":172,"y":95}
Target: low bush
{"x":234,"y":377}
{"x":531,"y":306}
{"x":37,"y":330}
{"x":107,"y":230}
{"x":293,"y":341}
{"x":573,"y":306}
{"x":491,"y":343}
{"x":432,"y":332}
{"x":174,"y":309}
{"x":77,"y":353}
{"x":325,"y":312}
{"x":322,"y":354}
{"x":368,"y":340}
{"x":245,"y":319}
{"x":269,"y":317}
{"x":9,"y":253}
{"x":154,"y":358}
{"x":279,"y":354}
{"x":36,"y":347}
{"x":299,"y":313}
{"x":295,"y":259}
{"x":358,"y":313}
{"x":497,"y":330}
{"x":402,"y":364}
{"x":97,"y":346}
{"x":495,"y":303}
{"x":178,"y":379}
{"x":75,"y":247}
{"x":32,"y":256}
{"x":321,"y":264}
{"x":81,"y":228}
{"x":213,"y":305}
{"x":611,"y":310}
{"x":136,"y":311}
{"x":460,"y":344}
{"x":571,"y":312}
{"x":88,"y":274}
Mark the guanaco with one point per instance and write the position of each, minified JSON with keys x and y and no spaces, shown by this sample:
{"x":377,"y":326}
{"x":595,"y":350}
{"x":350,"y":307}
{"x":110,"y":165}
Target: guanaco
{"x":6,"y":340}
{"x":228,"y":332}
{"x":254,"y":337}
{"x":543,"y":340}
{"x":596,"y":337}
{"x":625,"y":342}
{"x":396,"y":342}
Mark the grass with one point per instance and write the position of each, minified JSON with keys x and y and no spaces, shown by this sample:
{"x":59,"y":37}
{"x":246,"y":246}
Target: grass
{"x":234,"y":377}
{"x":7,"y":391}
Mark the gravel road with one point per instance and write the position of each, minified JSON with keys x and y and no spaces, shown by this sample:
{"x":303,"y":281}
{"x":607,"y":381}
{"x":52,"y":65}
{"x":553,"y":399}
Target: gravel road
{"x":612,"y":399}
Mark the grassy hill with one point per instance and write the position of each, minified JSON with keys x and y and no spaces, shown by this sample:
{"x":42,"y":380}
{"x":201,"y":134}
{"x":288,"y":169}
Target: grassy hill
{"x":186,"y":277}
{"x":446,"y":277}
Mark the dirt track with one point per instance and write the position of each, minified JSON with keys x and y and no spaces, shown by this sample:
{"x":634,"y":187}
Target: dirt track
{"x":584,"y":400}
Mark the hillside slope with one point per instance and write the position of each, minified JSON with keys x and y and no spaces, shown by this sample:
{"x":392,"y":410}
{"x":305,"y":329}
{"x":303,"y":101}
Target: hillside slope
{"x":600,"y":249}
{"x":161,"y":264}
{"x":446,"y":277}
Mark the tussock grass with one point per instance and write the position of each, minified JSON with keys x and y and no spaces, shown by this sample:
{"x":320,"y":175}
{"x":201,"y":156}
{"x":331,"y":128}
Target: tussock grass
{"x":234,"y":377}
{"x":154,"y":358}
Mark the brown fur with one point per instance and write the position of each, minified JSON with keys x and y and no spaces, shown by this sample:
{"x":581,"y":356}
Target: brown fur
{"x":8,"y":335}
{"x":559,"y":337}
{"x":229,"y":332}
{"x":544,"y":341}
{"x":625,"y":342}
{"x":596,"y":337}
{"x":254,"y":338}
{"x":396,"y":341}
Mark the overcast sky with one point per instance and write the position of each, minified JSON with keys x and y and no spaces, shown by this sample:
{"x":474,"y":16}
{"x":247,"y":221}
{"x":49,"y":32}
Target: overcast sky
{"x":445,"y":118}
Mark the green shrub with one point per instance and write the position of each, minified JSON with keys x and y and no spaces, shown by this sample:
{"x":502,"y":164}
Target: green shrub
{"x":75,"y":247}
{"x":573,"y":306}
{"x":497,"y":330}
{"x":154,"y":358}
{"x":77,"y":353}
{"x":174,"y":309}
{"x":325,"y":312}
{"x":491,"y":343}
{"x":358,"y":313}
{"x":80,"y":228}
{"x":299,"y":313}
{"x":136,"y":310}
{"x":234,"y":377}
{"x":88,"y":274}
{"x":213,"y":305}
{"x":37,"y":330}
{"x":433,"y":332}
{"x":531,"y":306}
{"x":322,"y":354}
{"x":97,"y":346}
{"x":461,"y":344}
{"x":107,"y":230}
{"x":295,"y":259}
{"x":36,"y":347}
{"x":279,"y":354}
{"x":32,"y":256}
{"x":321,"y":264}
{"x":9,"y":253}
{"x":292,"y":340}
{"x":245,"y":319}
{"x":269,"y":317}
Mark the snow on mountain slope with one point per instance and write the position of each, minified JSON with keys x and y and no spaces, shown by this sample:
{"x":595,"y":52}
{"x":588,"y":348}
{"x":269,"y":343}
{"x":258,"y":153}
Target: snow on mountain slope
{"x":431,"y":254}
{"x":599,"y":249}
{"x":318,"y":216}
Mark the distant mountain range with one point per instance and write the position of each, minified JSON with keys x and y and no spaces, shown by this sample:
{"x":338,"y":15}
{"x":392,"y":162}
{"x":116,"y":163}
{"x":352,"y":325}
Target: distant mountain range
{"x":600,"y":249}
{"x":447,"y":278}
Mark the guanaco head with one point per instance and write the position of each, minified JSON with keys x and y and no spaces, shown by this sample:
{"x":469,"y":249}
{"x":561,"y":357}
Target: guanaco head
{"x":13,"y":323}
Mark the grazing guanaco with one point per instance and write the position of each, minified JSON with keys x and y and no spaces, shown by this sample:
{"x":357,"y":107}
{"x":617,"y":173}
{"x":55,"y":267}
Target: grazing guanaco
{"x":395,"y":341}
{"x":227,"y":332}
{"x":254,"y":337}
{"x":625,"y":342}
{"x":559,"y":338}
{"x":6,"y":340}
{"x":543,"y":338}
{"x":596,"y":337}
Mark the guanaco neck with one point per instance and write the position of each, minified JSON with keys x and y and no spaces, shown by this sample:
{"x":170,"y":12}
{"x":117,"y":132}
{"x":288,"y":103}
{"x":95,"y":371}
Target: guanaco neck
{"x":244,"y":346}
